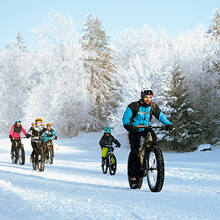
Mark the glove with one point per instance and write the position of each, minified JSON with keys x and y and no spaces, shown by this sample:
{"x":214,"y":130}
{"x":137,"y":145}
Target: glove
{"x":118,"y":145}
{"x":169,"y":127}
{"x":50,"y":135}
{"x":28,"y":135}
{"x":55,"y":138}
{"x":128,"y":128}
{"x":10,"y":136}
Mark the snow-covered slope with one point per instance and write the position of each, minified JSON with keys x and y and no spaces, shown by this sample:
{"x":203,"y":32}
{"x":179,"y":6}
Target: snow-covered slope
{"x":74,"y":187}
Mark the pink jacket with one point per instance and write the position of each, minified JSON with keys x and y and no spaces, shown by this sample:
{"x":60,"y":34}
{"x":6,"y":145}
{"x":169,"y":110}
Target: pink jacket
{"x":16,"y":132}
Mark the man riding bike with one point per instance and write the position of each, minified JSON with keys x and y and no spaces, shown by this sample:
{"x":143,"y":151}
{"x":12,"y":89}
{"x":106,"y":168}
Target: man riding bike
{"x":15,"y":133}
{"x":140,"y":113}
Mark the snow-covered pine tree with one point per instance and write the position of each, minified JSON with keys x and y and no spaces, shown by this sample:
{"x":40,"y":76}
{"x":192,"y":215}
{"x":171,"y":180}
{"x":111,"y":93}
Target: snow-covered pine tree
{"x":214,"y":29}
{"x":98,"y":62}
{"x":16,"y":67}
{"x":181,"y":113}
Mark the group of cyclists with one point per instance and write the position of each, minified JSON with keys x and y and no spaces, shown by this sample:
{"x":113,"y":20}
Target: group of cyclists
{"x":137,"y":113}
{"x":36,"y":131}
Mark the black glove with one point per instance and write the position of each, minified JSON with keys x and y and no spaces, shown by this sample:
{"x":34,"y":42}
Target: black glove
{"x":50,"y":135}
{"x":28,"y":135}
{"x":128,"y":127}
{"x":55,"y":138}
{"x":10,"y":136}
{"x":169,"y":127}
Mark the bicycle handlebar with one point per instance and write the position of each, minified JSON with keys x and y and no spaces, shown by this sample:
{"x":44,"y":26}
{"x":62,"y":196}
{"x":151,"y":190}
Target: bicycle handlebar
{"x":146,"y":126}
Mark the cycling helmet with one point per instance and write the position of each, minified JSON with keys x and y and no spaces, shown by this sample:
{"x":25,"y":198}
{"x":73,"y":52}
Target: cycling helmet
{"x":18,"y":120}
{"x":107,"y":130}
{"x":145,"y":92}
{"x":48,"y":124}
{"x":38,"y":120}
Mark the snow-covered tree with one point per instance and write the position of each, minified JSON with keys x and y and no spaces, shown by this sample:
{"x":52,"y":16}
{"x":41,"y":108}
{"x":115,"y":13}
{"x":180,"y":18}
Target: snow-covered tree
{"x":62,"y":94}
{"x":98,"y":62}
{"x":181,"y":112}
{"x":16,"y":68}
{"x":214,"y":29}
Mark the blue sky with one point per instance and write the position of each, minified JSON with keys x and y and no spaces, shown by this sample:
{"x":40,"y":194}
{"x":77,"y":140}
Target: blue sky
{"x":116,"y":15}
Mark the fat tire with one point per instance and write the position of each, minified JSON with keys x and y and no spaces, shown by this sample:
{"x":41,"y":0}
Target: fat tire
{"x":105,"y":166}
{"x":139,"y":182}
{"x":112,"y":168}
{"x":35,"y":161}
{"x":157,"y":187}
{"x":21,"y":155}
{"x":50,"y":151}
{"x":41,"y":159}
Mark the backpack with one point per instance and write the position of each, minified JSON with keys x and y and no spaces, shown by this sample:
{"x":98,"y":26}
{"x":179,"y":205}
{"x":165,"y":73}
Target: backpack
{"x":136,"y":109}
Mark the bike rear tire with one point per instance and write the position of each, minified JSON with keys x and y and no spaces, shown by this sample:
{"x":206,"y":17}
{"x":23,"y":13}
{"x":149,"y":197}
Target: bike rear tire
{"x":105,"y":166}
{"x":21,"y":155}
{"x":155,"y":168}
{"x":112,"y":166}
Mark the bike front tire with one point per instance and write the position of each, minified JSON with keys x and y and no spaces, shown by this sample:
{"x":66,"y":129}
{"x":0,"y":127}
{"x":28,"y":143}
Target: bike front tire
{"x":41,"y":159}
{"x":155,"y":168}
{"x":21,"y":155}
{"x":105,"y":167}
{"x":113,"y":164}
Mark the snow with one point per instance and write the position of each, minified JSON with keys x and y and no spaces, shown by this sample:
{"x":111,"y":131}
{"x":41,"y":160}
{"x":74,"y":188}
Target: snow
{"x":74,"y":187}
{"x":204,"y":147}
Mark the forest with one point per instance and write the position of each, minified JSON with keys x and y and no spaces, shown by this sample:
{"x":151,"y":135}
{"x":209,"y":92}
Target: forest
{"x":84,"y":83}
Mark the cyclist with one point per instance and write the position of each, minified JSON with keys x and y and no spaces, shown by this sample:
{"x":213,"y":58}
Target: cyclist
{"x":48,"y":134}
{"x":15,"y":133}
{"x":36,"y":131}
{"x":140,"y":113}
{"x":107,"y":139}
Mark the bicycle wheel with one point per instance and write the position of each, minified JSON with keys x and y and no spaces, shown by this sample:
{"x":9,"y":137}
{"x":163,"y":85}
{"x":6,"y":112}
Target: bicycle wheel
{"x":35,"y":160}
{"x":14,"y":156}
{"x":113,"y":164}
{"x":41,"y":159}
{"x":50,"y":154}
{"x":155,"y":168}
{"x":105,"y":166}
{"x":21,"y":155}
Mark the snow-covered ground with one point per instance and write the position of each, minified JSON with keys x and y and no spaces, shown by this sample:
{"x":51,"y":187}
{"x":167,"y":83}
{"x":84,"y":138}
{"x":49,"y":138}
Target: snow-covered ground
{"x":74,"y":187}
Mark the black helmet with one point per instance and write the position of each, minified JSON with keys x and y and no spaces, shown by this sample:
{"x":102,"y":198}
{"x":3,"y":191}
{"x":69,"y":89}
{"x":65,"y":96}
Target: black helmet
{"x":146,"y":92}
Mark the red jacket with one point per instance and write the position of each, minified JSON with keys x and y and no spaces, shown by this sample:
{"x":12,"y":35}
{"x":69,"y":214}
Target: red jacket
{"x":16,"y":132}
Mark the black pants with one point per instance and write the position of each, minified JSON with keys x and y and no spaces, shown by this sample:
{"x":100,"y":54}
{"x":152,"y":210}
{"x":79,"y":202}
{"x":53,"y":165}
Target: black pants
{"x":134,"y":161}
{"x":14,"y":143}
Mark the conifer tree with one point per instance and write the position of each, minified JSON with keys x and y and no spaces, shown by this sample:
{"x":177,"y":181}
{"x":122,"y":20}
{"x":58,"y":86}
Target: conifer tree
{"x":215,"y":27}
{"x":181,"y":113}
{"x":98,"y":62}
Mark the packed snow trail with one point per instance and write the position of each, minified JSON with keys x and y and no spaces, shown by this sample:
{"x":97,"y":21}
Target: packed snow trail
{"x":74,"y":187}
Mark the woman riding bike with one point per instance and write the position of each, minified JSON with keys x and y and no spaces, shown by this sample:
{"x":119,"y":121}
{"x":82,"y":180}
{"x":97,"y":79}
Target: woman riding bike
{"x":36,"y":131}
{"x":15,"y":133}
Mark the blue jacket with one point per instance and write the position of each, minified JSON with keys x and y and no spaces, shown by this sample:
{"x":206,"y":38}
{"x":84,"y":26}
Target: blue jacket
{"x":143,"y":116}
{"x":46,"y":134}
